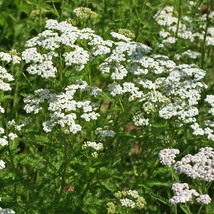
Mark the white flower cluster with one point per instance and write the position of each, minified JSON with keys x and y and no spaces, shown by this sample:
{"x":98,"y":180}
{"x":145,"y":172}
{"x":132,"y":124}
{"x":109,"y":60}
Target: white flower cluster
{"x":85,"y":13}
{"x":125,"y":202}
{"x":96,"y":147}
{"x":3,"y":138}
{"x":165,"y":18}
{"x":62,"y":107}
{"x":203,"y":199}
{"x":6,"y":211}
{"x":155,"y":81}
{"x":140,"y":120}
{"x":2,"y":164}
{"x":93,"y":145}
{"x":167,"y":156}
{"x":189,"y":54}
{"x":127,"y":87}
{"x":10,"y":57}
{"x":210,"y":99}
{"x":206,"y":127}
{"x":184,"y":87}
{"x":41,"y":63}
{"x":11,"y":124}
{"x":130,"y":199}
{"x":78,"y":57}
{"x":183,"y":194}
{"x":198,"y":166}
{"x":5,"y":77}
{"x":12,"y":129}
{"x":120,"y":37}
{"x":209,"y":130}
{"x":68,"y":37}
{"x":33,"y":102}
{"x":103,"y":134}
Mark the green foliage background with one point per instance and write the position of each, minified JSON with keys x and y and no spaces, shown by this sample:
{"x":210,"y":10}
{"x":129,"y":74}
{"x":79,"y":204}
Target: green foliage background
{"x":42,"y":158}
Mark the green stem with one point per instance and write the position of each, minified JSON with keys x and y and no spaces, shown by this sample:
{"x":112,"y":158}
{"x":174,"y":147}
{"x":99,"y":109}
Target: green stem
{"x":14,"y":171}
{"x":179,"y":18}
{"x":139,"y":17}
{"x":103,"y":16}
{"x":61,"y":10}
{"x":204,"y":42}
{"x":186,"y":209}
{"x":175,"y":209}
{"x":82,"y":195}
{"x":49,"y":163}
{"x":174,"y":177}
{"x":199,"y":211}
{"x":63,"y":177}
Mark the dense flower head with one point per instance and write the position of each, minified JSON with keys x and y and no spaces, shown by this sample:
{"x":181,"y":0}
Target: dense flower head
{"x":140,"y":120}
{"x":85,"y":13}
{"x":3,"y":137}
{"x":2,"y":164}
{"x":130,"y":199}
{"x":5,"y":57}
{"x":203,"y":199}
{"x":63,"y":107}
{"x":11,"y":57}
{"x":210,"y":100}
{"x":183,"y":194}
{"x":198,"y":166}
{"x":93,"y":145}
{"x":102,"y":134}
{"x":167,"y":156}
{"x":5,"y":77}
{"x":191,"y":54}
{"x":126,"y":33}
{"x":79,"y":57}
{"x":185,"y":30}
{"x":6,"y":211}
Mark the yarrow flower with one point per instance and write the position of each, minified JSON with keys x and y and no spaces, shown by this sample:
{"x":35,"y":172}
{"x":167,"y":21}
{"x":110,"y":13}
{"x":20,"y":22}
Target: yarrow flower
{"x":125,"y":202}
{"x":111,"y":208}
{"x":6,"y":211}
{"x":183,"y":194}
{"x":120,"y":36}
{"x":85,"y":13}
{"x":103,"y":134}
{"x":185,"y":30}
{"x":191,"y":54}
{"x":5,"y":77}
{"x":167,"y":156}
{"x":3,"y":141}
{"x":140,"y":120}
{"x":203,"y":199}
{"x":126,"y":33}
{"x":93,"y":145}
{"x":79,"y":57}
{"x":11,"y":57}
{"x":2,"y":164}
{"x":62,"y":107}
{"x":198,"y":166}
{"x":130,"y":199}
